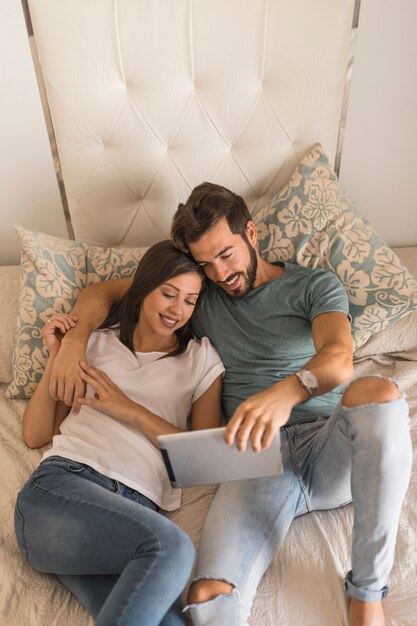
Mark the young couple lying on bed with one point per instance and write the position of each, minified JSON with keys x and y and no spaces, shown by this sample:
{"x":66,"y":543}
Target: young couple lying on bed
{"x":89,"y":513}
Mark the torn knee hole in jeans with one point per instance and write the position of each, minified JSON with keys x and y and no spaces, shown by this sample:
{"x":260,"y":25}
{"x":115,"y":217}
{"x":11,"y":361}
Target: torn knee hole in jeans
{"x":207,"y":596}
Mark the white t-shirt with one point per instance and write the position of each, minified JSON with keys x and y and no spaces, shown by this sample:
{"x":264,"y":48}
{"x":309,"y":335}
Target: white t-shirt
{"x":167,"y":387}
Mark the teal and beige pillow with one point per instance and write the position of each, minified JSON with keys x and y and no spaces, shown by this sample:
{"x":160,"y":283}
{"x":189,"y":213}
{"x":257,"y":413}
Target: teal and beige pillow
{"x":52,"y":273}
{"x":313,"y":222}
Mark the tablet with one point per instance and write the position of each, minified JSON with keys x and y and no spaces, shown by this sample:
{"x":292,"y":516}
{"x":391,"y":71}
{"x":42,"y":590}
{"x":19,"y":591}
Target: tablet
{"x":201,"y":457}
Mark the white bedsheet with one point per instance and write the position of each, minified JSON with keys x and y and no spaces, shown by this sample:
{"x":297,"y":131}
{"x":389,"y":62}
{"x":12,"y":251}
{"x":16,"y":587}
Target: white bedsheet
{"x":304,"y":584}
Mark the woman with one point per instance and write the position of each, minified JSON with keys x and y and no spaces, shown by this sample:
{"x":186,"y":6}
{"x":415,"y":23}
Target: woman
{"x":89,"y":512}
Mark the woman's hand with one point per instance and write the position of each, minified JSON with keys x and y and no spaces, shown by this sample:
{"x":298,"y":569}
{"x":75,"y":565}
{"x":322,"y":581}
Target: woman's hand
{"x":55,"y":328}
{"x":108,"y":398}
{"x":111,"y":401}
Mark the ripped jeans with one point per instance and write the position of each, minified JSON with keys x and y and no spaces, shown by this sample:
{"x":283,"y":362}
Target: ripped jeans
{"x":361,"y":454}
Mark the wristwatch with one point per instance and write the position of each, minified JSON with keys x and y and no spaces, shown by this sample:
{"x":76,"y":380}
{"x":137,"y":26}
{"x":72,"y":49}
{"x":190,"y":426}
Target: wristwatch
{"x":309,"y":382}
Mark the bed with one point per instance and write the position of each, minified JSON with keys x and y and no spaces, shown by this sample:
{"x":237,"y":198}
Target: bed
{"x":316,"y":548}
{"x":140,"y":117}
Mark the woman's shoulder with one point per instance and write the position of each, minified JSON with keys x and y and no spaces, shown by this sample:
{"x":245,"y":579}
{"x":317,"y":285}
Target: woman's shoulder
{"x":103,"y":338}
{"x":104,"y":334}
{"x":204,"y":349}
{"x":196,"y":344}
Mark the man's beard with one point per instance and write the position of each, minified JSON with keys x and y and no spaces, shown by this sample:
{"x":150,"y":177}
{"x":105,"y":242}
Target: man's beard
{"x":249,"y":276}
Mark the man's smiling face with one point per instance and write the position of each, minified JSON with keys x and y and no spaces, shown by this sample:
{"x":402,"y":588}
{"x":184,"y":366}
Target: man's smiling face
{"x":229,"y":260}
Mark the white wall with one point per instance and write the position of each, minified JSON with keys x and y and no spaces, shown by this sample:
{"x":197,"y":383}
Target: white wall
{"x":379,"y":159}
{"x":28,"y":187}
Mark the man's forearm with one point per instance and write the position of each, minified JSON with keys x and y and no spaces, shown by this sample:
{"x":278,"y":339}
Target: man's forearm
{"x":333,"y":362}
{"x":93,"y":306}
{"x":332,"y":366}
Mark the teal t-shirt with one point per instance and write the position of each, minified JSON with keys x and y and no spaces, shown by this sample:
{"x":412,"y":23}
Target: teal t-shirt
{"x":266,"y":335}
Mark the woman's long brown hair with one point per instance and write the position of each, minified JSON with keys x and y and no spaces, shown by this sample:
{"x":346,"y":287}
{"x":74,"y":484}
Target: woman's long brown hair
{"x":160,"y":263}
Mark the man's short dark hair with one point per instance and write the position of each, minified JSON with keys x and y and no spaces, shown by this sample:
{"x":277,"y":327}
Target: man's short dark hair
{"x":206,"y":206}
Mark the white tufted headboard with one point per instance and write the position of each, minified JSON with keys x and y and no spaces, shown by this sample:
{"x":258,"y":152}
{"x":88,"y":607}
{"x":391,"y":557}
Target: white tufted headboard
{"x":150,"y":98}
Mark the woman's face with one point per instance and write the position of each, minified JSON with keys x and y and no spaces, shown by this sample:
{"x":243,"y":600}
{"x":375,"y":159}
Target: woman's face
{"x":169,"y":307}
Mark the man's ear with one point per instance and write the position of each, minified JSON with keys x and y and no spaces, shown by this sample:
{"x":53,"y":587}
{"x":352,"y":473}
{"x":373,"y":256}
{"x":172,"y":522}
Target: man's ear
{"x":251,"y":233}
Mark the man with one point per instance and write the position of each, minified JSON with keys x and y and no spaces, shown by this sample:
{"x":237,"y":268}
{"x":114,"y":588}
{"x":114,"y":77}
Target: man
{"x":283,"y":332}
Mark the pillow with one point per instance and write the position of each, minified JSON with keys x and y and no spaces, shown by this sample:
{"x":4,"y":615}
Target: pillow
{"x":313,"y":222}
{"x":9,"y":306}
{"x":399,"y":338}
{"x":402,"y":335}
{"x":52,"y":273}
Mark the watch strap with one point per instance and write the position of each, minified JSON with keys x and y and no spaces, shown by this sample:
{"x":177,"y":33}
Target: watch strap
{"x":302,"y":377}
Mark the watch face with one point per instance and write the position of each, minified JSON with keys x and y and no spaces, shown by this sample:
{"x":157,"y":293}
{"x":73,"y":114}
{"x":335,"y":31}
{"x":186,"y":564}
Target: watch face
{"x":309,"y":380}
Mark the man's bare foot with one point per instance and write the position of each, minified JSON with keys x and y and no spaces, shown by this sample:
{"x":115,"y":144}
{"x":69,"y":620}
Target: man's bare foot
{"x":365,"y":613}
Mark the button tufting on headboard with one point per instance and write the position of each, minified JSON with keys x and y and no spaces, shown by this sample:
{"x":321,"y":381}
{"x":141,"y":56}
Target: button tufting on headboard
{"x":148,"y":99}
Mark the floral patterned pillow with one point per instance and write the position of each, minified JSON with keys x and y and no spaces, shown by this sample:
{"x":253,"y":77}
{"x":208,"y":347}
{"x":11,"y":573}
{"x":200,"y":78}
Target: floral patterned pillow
{"x":52,"y":273}
{"x":313,"y":222}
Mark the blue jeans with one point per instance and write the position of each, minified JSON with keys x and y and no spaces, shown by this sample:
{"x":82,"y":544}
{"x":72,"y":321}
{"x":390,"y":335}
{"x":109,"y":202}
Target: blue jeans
{"x":106,"y":542}
{"x":361,"y":454}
